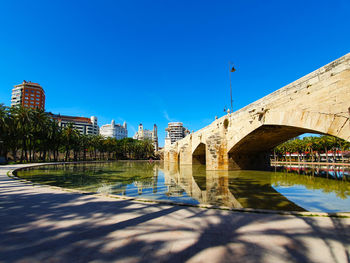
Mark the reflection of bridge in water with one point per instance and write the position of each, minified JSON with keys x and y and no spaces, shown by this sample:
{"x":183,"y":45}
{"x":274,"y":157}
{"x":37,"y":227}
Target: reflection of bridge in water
{"x":220,"y":189}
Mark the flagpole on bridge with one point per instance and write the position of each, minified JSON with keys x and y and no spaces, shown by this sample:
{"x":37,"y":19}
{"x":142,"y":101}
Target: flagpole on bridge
{"x":232,"y":69}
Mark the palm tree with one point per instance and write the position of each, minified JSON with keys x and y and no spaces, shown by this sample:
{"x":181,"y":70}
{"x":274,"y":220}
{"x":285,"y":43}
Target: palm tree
{"x":69,"y":135}
{"x":309,"y":145}
{"x":84,"y":144}
{"x":36,"y":135}
{"x":23,"y":127}
{"x":343,"y":146}
{"x":4,"y":131}
{"x":54,"y":139}
{"x":39,"y":132}
{"x":326,"y":142}
{"x":333,"y":145}
{"x":95,"y":144}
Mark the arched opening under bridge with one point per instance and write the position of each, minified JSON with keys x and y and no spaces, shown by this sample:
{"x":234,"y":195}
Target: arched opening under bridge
{"x":253,"y":151}
{"x":199,"y":155}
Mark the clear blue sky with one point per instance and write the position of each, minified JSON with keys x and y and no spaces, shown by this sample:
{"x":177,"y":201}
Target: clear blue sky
{"x":159,"y":61}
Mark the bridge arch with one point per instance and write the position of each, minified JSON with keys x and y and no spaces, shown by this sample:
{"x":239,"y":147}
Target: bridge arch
{"x":250,"y":149}
{"x":199,"y":154}
{"x":297,"y":122}
{"x":253,"y":151}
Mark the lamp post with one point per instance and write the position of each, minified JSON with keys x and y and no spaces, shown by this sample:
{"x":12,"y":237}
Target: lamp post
{"x":232,"y":69}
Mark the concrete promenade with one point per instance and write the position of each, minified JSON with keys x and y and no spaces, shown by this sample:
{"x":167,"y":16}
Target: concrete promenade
{"x":42,"y":224}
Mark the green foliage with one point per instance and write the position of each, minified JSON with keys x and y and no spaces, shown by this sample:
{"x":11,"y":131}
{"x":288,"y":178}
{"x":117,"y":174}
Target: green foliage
{"x":313,"y":146}
{"x":37,"y":137}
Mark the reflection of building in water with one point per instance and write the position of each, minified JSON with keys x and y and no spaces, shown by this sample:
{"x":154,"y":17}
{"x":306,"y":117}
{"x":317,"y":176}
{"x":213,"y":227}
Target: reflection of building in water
{"x":173,"y":188}
{"x":141,"y":185}
{"x":175,"y":191}
{"x":155,"y":179}
{"x":117,"y":188}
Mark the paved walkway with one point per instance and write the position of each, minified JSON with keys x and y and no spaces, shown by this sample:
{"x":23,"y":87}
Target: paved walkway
{"x":41,"y":224}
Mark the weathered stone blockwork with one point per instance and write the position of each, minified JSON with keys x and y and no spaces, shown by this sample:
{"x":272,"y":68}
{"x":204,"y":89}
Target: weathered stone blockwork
{"x":317,"y":103}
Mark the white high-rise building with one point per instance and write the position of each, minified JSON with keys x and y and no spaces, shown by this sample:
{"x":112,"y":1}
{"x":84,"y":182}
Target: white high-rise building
{"x":113,"y":130}
{"x":175,"y":131}
{"x":144,"y":134}
{"x":87,"y":126}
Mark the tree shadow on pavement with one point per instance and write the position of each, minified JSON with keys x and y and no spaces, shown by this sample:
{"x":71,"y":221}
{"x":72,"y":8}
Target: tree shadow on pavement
{"x":68,"y":227}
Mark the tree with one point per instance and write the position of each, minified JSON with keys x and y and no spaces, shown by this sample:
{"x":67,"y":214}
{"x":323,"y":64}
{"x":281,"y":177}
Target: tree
{"x":38,"y":137}
{"x":69,"y":136}
{"x":23,"y":127}
{"x":4,"y":131}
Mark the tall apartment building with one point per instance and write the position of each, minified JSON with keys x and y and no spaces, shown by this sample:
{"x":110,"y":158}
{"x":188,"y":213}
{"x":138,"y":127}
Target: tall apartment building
{"x":87,"y":126}
{"x":28,"y":95}
{"x":113,"y":130}
{"x":175,"y":131}
{"x":143,"y":134}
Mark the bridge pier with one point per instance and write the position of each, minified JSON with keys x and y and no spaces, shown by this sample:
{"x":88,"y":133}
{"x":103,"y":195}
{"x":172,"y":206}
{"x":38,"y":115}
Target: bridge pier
{"x":216,"y":153}
{"x":173,"y":156}
{"x":185,"y":154}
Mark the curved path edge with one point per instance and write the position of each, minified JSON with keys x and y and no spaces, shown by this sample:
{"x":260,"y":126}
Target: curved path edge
{"x":40,"y":223}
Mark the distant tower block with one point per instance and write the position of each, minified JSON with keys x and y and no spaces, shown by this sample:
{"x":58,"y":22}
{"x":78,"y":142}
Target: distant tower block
{"x":144,"y":134}
{"x":175,"y":131}
{"x":28,"y":95}
{"x":114,"y":130}
{"x":155,"y":137}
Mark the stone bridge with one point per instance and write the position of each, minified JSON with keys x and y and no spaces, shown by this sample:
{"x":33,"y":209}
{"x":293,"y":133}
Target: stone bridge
{"x":317,"y":103}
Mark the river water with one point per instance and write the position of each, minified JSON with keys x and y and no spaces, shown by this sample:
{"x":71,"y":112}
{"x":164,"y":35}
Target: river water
{"x":318,"y":189}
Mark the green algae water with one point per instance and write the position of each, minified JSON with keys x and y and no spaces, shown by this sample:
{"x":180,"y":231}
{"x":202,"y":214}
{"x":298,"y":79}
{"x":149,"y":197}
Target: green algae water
{"x":319,"y":189}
